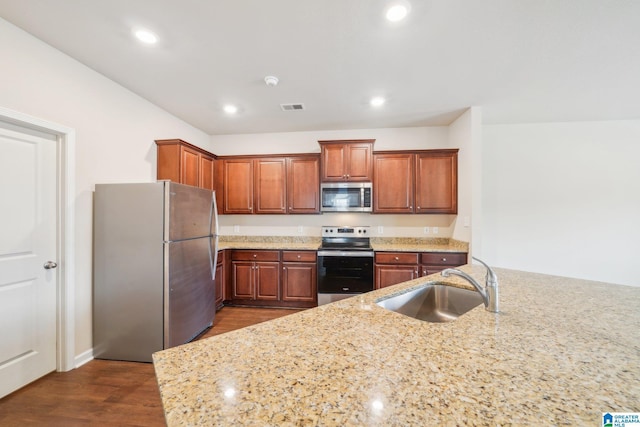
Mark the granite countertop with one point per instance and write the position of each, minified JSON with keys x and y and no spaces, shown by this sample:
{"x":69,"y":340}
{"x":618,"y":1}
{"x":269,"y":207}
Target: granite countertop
{"x":396,"y":244}
{"x":560,"y":352}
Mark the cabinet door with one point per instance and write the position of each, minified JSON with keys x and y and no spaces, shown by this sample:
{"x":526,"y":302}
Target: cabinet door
{"x":393,"y":183}
{"x":270,"y":186}
{"x":219,"y":285}
{"x":437,"y":182}
{"x":267,"y":277}
{"x":299,"y":281}
{"x":238,"y":186}
{"x":387,"y":275}
{"x":206,"y":172}
{"x":190,"y":168}
{"x":334,"y":162}
{"x":359,"y":162}
{"x":303,"y":185}
{"x":243,"y":281}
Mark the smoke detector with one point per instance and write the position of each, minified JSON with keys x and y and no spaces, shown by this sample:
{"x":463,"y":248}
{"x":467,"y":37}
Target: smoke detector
{"x":271,"y":80}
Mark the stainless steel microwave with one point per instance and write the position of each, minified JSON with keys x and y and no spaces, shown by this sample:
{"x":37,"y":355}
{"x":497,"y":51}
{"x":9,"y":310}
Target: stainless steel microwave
{"x":346,"y":197}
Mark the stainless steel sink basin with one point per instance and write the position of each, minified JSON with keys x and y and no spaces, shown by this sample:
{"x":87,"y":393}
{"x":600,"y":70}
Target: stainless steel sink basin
{"x":433,"y":302}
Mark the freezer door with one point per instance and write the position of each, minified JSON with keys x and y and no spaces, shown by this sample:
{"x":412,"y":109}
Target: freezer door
{"x":190,"y":293}
{"x":189,"y":212}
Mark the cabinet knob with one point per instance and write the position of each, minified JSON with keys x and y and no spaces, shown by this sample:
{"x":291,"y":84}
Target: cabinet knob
{"x":417,"y":207}
{"x":410,"y":207}
{"x":444,"y":259}
{"x":396,"y":258}
{"x":255,"y":255}
{"x":298,"y":256}
{"x":424,"y":272}
{"x":348,"y":176}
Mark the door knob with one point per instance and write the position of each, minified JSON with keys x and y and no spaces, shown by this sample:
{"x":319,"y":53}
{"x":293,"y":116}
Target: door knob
{"x":49,"y":265}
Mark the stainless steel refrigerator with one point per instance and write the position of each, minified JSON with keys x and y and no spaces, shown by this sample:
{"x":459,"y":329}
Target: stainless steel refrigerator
{"x":155,"y":249}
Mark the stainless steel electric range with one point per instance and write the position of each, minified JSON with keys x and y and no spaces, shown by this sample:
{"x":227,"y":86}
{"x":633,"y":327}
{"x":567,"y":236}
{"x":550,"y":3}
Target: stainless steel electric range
{"x":345,"y":263}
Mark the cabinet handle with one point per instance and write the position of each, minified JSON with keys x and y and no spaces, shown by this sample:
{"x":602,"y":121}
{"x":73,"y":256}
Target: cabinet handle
{"x":424,"y":272}
{"x":417,"y":273}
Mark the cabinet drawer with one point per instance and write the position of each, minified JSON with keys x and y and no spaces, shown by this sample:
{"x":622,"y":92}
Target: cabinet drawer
{"x":396,"y":258}
{"x":299,"y":256}
{"x":443,"y":258}
{"x":242,"y":255}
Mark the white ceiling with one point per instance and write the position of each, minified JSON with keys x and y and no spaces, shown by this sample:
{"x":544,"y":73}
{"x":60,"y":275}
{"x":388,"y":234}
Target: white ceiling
{"x":521,"y":60}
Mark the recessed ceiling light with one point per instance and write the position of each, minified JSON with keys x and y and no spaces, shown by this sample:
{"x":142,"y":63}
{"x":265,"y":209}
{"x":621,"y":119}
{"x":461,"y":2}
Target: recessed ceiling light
{"x":397,"y":11}
{"x":230,"y":109}
{"x":146,"y":36}
{"x":377,"y":101}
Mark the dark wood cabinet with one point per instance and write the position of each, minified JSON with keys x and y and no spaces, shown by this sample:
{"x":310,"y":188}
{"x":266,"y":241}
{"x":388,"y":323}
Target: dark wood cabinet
{"x":181,"y":162}
{"x":303,"y":184}
{"x":270,"y":190}
{"x":267,"y":278}
{"x":255,"y":275}
{"x":395,"y":267}
{"x":299,"y":272}
{"x":392,"y":268}
{"x":435,"y":262}
{"x":437,"y":182}
{"x":220,"y":280}
{"x":238,"y":186}
{"x":416,"y":182}
{"x":271,"y":185}
{"x":346,"y":160}
{"x":393,"y":183}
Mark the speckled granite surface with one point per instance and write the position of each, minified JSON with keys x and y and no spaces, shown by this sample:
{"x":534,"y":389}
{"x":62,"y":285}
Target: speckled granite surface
{"x":561,"y":352}
{"x":399,"y":244}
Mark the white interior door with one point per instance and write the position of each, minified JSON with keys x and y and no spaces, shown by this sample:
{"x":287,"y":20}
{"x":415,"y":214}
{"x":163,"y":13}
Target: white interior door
{"x":28,"y":219}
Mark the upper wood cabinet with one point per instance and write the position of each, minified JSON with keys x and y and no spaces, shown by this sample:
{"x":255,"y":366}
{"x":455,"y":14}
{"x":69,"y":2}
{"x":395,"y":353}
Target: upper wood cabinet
{"x":271,"y":185}
{"x":393,"y":180}
{"x":437,"y":182}
{"x":347,"y":160}
{"x":416,"y":182}
{"x":184,"y":163}
{"x":238,"y":186}
{"x":303,"y":184}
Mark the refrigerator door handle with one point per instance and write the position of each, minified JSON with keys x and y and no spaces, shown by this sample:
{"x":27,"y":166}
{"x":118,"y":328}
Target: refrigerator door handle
{"x":213,"y":255}
{"x":213,"y":215}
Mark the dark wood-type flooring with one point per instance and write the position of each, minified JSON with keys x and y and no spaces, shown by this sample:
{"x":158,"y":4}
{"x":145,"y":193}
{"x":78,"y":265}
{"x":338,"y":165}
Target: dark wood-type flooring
{"x":109,"y":393}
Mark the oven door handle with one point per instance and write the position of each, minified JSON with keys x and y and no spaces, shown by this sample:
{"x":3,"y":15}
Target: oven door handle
{"x":367,"y":254}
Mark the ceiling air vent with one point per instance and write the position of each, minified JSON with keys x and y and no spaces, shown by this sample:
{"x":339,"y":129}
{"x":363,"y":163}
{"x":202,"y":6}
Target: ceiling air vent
{"x":292,"y":107}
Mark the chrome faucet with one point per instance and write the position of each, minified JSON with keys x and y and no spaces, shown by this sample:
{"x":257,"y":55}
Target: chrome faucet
{"x":490,"y":291}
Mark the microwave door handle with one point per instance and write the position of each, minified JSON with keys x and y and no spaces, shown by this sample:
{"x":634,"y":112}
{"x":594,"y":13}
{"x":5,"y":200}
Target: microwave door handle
{"x":361,"y":196}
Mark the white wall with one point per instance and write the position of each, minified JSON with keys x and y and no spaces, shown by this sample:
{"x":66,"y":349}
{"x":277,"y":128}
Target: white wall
{"x":563,"y":199}
{"x":419,"y":138}
{"x":115,"y":132}
{"x":466,"y":134}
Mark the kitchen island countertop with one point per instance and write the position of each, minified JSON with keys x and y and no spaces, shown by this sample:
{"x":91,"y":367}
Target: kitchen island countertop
{"x":561,"y":352}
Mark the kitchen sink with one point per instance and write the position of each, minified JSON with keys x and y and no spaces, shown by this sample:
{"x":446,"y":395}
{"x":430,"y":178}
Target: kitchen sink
{"x":433,"y":302}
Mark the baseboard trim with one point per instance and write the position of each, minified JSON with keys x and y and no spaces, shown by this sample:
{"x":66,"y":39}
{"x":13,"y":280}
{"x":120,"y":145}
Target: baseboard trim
{"x":83,"y":358}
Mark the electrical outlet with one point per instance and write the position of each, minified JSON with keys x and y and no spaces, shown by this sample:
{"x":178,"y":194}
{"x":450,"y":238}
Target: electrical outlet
{"x":426,"y":230}
{"x":435,"y":230}
{"x":236,"y":228}
{"x":380,"y":229}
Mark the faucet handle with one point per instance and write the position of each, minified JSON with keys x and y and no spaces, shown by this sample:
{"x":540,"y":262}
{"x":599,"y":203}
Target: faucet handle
{"x":492,"y":279}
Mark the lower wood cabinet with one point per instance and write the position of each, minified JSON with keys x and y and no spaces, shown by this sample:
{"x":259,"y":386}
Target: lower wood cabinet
{"x":220,"y":280}
{"x":273,"y":278}
{"x":299,"y":272}
{"x":392,"y":268}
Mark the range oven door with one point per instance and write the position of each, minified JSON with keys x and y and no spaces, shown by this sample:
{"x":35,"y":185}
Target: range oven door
{"x":345,"y":272}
